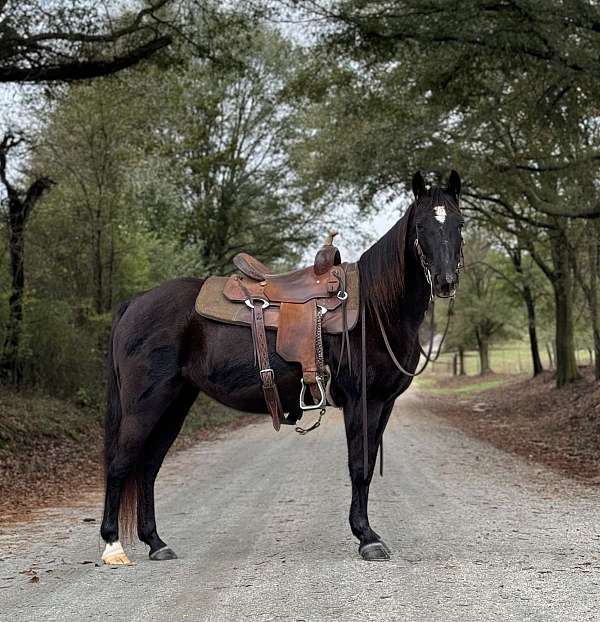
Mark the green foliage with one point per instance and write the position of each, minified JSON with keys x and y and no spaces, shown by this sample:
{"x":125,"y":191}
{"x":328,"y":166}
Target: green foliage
{"x":428,"y":385}
{"x":237,"y":138}
{"x":62,"y":354}
{"x":483,"y":311}
{"x":506,"y":93}
{"x":163,"y":171}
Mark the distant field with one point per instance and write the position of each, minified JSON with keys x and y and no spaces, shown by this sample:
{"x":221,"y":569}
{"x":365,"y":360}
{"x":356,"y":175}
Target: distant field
{"x":512,"y":358}
{"x":431,"y":385}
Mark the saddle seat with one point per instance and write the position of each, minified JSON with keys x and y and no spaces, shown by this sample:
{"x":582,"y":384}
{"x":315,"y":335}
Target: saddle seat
{"x":321,"y":280}
{"x":299,"y":305}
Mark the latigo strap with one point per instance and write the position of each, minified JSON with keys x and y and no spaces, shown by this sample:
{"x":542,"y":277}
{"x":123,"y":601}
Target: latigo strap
{"x":261,"y":351}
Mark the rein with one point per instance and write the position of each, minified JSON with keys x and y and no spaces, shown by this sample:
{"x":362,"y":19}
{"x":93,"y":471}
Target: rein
{"x":428,"y":355}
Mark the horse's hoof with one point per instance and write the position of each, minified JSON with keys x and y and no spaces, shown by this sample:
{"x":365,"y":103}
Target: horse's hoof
{"x":386,"y":548}
{"x":374,"y":552}
{"x":163,"y":554}
{"x":114,"y":555}
{"x":120,"y":559}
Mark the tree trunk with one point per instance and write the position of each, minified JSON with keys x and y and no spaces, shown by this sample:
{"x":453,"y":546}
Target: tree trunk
{"x":594,"y":267}
{"x":566,"y":365}
{"x":597,"y":354}
{"x":527,"y":295}
{"x":483,"y":347}
{"x":550,"y":356}
{"x":10,"y":363}
{"x":461,"y":361}
{"x":20,"y":205}
{"x":531,"y":324}
{"x":97,"y":264}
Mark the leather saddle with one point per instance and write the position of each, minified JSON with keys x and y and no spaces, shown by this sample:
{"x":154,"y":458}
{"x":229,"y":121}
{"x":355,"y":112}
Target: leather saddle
{"x":300,"y":305}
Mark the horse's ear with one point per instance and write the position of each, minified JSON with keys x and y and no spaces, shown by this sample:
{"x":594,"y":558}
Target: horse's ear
{"x":454,"y":184}
{"x":418,"y":185}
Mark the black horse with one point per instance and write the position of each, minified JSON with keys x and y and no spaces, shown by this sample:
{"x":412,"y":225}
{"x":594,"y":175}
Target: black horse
{"x":162,"y":354}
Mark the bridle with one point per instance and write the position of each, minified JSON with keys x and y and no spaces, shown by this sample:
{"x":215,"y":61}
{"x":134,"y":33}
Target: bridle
{"x":425,"y":266}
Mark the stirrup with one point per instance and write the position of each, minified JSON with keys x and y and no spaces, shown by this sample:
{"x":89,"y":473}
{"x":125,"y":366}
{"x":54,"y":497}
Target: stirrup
{"x":321,"y":404}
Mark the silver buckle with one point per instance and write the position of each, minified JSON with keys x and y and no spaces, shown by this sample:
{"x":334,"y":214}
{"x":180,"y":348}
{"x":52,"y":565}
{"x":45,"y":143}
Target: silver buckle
{"x":321,"y":404}
{"x":250,"y":302}
{"x":342,"y":295}
{"x":269,"y":370}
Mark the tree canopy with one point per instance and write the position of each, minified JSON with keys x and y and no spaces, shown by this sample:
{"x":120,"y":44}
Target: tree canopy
{"x":242,"y":132}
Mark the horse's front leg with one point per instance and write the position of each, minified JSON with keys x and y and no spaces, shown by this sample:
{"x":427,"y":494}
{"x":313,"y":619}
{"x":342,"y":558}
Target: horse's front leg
{"x":371,"y":547}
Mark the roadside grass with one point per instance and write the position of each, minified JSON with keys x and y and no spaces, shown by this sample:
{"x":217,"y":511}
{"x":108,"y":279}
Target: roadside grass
{"x":456,"y":386}
{"x":513,"y":357}
{"x":26,"y":417}
{"x":207,"y":414}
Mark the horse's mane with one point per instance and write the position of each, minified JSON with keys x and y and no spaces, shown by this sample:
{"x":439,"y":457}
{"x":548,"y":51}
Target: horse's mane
{"x":382,"y":266}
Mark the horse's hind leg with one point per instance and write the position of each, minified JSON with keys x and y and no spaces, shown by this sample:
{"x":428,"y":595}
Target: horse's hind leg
{"x":155,"y":450}
{"x":123,"y":469}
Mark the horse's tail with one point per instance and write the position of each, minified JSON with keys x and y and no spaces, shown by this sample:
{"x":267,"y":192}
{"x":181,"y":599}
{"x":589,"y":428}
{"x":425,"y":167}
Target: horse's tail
{"x":112,"y":425}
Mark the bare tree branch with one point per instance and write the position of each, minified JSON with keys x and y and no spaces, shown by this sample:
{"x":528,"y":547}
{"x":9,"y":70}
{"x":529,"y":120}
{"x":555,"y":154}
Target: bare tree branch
{"x":71,"y":49}
{"x":83,"y":70}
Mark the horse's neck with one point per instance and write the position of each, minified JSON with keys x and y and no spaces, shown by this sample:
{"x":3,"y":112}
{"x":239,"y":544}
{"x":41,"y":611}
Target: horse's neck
{"x":405,"y":316}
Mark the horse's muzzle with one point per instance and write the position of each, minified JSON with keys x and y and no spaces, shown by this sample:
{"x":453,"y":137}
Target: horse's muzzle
{"x":444,"y":286}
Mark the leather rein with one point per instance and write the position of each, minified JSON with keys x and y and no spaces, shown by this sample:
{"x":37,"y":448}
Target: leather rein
{"x":428,"y":355}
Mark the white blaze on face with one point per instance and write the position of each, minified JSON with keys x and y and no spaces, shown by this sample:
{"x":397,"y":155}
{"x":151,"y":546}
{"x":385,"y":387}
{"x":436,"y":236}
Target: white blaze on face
{"x":440,"y":214}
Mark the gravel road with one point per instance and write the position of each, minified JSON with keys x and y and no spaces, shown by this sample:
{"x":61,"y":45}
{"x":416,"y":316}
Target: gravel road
{"x":259,"y":520}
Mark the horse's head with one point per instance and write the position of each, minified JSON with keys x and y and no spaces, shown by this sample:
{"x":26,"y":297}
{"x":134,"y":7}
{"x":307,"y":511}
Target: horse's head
{"x":438,"y":242}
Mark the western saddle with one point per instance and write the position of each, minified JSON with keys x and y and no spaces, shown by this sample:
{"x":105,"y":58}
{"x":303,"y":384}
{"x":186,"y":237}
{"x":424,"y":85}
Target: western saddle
{"x":300,"y":305}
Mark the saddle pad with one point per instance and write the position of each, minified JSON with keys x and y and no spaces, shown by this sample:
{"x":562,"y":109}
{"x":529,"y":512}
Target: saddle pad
{"x":211,"y":303}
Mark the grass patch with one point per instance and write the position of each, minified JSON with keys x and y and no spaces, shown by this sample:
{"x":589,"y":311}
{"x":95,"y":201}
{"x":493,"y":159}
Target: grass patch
{"x":27,"y":417}
{"x":433,"y":386}
{"x":513,"y":357}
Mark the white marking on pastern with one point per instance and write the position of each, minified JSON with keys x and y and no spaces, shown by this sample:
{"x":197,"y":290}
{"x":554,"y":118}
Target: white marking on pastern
{"x":115,"y":555}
